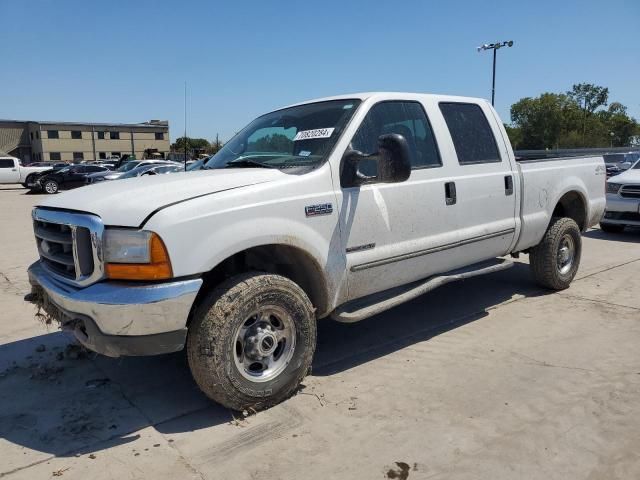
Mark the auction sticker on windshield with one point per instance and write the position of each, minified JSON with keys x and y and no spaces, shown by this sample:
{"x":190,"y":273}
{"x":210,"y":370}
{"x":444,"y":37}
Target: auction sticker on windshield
{"x":310,"y":134}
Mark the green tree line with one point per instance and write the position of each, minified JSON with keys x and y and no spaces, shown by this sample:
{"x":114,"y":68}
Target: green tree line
{"x":197,"y":145}
{"x":579,"y":118}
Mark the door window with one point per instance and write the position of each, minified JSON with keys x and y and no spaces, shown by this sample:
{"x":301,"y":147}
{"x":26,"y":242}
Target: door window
{"x":405,"y":118}
{"x":6,"y":163}
{"x":472,"y":136}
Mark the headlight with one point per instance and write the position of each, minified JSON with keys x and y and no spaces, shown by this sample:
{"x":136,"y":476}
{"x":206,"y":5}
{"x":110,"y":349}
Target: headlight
{"x":613,"y":187}
{"x":135,"y":255}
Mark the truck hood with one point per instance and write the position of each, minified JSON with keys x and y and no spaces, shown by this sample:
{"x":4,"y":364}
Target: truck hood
{"x":129,"y":202}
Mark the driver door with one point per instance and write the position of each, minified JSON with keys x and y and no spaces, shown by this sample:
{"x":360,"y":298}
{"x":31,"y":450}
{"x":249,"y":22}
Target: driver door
{"x":386,"y":225}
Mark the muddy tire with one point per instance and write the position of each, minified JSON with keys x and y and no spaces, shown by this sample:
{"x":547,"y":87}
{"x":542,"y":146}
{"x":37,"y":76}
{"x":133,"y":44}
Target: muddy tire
{"x":50,"y":187}
{"x":611,"y":227}
{"x":555,"y":260}
{"x":251,"y":341}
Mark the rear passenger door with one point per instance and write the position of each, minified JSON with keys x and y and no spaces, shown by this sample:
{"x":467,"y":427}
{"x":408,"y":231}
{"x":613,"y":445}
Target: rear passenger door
{"x":481,"y":192}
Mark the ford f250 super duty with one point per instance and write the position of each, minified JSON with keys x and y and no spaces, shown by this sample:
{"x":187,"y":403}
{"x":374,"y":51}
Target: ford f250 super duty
{"x":341,"y":207}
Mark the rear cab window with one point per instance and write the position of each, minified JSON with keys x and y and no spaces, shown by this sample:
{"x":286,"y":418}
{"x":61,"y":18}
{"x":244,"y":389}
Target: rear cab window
{"x":471,"y":133}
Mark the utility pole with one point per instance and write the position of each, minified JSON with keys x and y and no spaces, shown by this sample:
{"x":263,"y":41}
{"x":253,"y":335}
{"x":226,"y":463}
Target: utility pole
{"x":494,"y":47}
{"x":185,"y":126}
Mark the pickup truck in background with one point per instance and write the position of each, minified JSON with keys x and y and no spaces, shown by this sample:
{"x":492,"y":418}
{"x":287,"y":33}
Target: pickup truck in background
{"x":12,"y":171}
{"x":336,"y":208}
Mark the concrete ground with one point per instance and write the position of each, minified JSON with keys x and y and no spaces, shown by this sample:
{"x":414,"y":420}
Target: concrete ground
{"x":488,"y":378}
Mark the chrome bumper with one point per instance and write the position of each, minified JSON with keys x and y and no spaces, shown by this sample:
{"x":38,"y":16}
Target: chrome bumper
{"x":120,"y":310}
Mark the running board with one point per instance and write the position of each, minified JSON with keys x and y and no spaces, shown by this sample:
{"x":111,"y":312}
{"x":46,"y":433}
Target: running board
{"x":370,"y":305}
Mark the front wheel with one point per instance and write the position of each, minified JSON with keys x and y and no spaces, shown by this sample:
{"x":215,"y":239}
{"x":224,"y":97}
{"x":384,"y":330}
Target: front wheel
{"x":50,"y":186}
{"x":252,"y":341}
{"x":555,"y":260}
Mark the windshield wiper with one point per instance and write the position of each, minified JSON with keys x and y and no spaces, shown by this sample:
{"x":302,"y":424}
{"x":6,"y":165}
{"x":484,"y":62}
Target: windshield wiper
{"x":245,"y":162}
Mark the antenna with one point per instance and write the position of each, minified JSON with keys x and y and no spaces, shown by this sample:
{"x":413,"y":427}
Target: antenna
{"x":185,"y":125}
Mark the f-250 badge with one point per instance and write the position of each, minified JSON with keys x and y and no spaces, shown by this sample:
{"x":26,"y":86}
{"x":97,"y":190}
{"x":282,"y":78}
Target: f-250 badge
{"x":316,"y":210}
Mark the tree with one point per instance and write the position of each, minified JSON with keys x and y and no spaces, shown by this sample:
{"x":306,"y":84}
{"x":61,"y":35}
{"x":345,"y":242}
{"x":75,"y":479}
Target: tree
{"x":192,"y":144}
{"x":573,"y":120}
{"x":272,"y":143}
{"x":619,"y":126}
{"x":515,"y":135}
{"x":590,"y":97}
{"x":541,"y":120}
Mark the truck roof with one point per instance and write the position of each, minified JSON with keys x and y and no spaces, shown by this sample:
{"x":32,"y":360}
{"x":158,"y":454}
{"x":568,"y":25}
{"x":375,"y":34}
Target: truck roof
{"x":393,"y":96}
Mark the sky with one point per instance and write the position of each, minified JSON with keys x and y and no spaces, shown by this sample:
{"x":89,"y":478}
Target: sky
{"x":128,"y":61}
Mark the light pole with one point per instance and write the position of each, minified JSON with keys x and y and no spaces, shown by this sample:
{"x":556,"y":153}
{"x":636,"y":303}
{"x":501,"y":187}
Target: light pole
{"x":494,"y":47}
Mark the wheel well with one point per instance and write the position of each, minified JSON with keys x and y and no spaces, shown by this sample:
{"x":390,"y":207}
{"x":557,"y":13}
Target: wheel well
{"x":572,"y":205}
{"x":290,"y":262}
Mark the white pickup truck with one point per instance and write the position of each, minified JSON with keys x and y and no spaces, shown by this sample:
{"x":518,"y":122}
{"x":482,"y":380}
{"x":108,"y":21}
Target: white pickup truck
{"x":12,"y":171}
{"x":340,"y":207}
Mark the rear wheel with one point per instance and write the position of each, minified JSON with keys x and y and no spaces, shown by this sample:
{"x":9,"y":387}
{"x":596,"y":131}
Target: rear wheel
{"x":611,"y":227}
{"x":555,"y":260}
{"x":252,"y":341}
{"x":50,"y":186}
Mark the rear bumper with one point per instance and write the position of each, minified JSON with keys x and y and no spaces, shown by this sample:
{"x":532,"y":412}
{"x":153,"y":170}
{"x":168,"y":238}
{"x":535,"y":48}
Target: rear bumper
{"x":119,"y":318}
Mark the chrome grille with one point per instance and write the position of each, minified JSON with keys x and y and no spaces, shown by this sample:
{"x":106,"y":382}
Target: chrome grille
{"x":630,"y":191}
{"x":70,"y":245}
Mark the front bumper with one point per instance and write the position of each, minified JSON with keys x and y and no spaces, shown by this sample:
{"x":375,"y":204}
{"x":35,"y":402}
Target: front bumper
{"x":622,"y":211}
{"x":119,"y":318}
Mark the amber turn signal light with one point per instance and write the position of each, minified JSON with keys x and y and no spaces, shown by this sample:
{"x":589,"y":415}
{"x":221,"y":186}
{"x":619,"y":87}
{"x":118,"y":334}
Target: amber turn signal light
{"x":159,"y":268}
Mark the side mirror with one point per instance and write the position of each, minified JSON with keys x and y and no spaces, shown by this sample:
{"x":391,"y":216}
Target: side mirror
{"x":150,"y":172}
{"x":393,"y":161}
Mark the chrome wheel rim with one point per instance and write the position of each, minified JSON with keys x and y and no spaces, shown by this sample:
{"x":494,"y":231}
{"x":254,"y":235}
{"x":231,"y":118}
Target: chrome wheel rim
{"x":566,"y":254}
{"x":50,"y":187}
{"x":264,"y":344}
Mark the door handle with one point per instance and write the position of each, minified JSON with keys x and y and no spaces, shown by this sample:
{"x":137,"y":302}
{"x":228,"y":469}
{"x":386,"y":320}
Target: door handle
{"x":508,"y":185}
{"x":450,"y":193}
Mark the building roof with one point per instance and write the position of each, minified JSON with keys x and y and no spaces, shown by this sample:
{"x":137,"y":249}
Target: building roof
{"x":150,"y":123}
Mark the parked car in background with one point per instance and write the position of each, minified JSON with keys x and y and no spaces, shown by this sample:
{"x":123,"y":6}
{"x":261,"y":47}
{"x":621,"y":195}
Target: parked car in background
{"x":623,"y":201}
{"x":619,"y":162}
{"x":33,"y":176}
{"x":72,"y":176}
{"x":124,"y":168}
{"x":12,"y":170}
{"x":151,"y":169}
{"x":48,"y":164}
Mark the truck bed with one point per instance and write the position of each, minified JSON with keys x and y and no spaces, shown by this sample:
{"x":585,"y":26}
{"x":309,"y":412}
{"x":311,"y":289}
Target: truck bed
{"x":545,"y":181}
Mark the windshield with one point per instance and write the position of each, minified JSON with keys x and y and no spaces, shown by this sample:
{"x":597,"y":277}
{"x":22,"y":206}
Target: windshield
{"x":637,"y":165}
{"x":128,"y":166}
{"x":64,"y":170}
{"x":292,"y":137}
